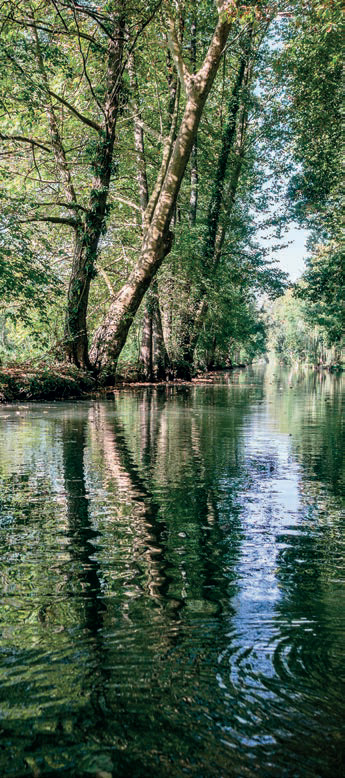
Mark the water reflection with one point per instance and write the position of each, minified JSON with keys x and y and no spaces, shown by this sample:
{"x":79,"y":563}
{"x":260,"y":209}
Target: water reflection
{"x":172,"y":581}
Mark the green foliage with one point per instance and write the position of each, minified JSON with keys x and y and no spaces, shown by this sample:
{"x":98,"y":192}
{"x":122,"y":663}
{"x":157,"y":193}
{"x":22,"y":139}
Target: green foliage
{"x":298,"y":333}
{"x":27,"y":284}
{"x":323,"y":288}
{"x":311,"y":64}
{"x":292,"y":102}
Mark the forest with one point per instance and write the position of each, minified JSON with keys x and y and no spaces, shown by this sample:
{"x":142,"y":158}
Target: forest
{"x":172,"y":472}
{"x":154,"y":154}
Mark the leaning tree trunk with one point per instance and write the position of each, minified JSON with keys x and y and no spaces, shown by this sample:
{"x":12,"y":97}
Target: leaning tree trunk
{"x":221,"y":204}
{"x":191,"y":319}
{"x":110,"y":337}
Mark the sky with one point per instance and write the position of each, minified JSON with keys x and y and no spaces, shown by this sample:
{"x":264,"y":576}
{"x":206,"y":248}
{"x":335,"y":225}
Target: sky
{"x":291,"y":258}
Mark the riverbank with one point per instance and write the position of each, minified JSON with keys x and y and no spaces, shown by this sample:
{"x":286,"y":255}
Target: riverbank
{"x":44,"y":382}
{"x":62,"y":381}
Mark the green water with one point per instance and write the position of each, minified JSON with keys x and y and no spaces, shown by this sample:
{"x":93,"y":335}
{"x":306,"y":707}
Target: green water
{"x":172,"y":581}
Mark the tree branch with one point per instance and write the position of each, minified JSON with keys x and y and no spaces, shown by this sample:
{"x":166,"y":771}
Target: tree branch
{"x":52,"y":219}
{"x":80,"y":116}
{"x":84,"y":67}
{"x":203,"y":77}
{"x":127,"y":202}
{"x":55,"y":31}
{"x":107,"y":281}
{"x":143,"y":26}
{"x":176,"y":53}
{"x":72,"y":206}
{"x":94,"y":15}
{"x":24,"y":139}
{"x":150,"y":130}
{"x":56,"y":141}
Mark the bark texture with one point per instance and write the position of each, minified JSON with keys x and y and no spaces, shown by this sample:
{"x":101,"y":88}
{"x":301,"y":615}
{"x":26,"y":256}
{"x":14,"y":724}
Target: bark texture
{"x":154,"y":357}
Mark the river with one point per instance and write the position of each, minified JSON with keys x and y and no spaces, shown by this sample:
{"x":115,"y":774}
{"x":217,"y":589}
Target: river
{"x":172,"y":581}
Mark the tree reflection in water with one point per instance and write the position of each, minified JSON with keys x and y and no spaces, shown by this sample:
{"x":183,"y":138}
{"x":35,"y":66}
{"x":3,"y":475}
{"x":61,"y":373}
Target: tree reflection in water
{"x":171,"y":568}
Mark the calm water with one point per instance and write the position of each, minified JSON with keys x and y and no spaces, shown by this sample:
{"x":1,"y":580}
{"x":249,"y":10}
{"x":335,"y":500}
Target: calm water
{"x":172,"y":582}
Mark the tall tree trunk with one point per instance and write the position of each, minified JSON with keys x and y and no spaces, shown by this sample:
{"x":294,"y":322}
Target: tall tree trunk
{"x":211,"y":354}
{"x":110,"y":337}
{"x":153,"y":354}
{"x":194,"y":181}
{"x":196,"y":321}
{"x":161,"y":361}
{"x":88,"y":237}
{"x":146,"y":345}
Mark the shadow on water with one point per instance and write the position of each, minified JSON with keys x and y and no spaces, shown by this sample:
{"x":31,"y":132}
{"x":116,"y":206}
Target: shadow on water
{"x":83,"y":579}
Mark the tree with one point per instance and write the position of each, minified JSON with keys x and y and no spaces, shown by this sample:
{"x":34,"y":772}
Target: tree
{"x":312,"y":67}
{"x":127,"y":180}
{"x":210,"y":251}
{"x":57,"y":40}
{"x":222,"y":198}
{"x":157,"y":238}
{"x":153,"y":354}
